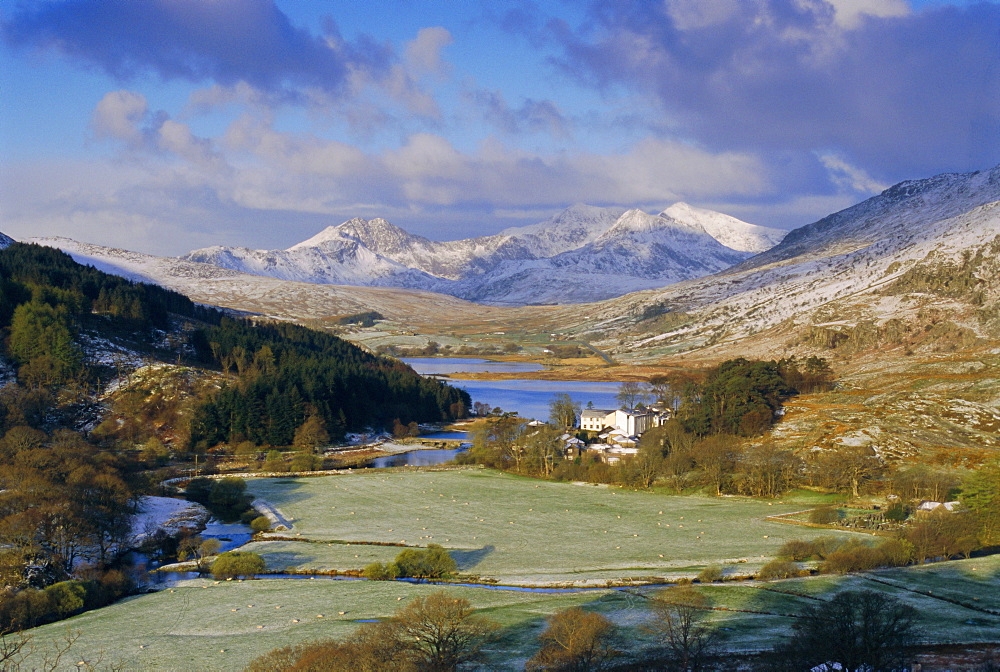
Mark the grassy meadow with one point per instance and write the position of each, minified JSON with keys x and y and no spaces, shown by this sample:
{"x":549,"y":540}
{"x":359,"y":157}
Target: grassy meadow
{"x":514,"y":531}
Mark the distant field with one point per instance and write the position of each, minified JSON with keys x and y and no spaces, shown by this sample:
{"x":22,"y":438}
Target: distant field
{"x":520,"y":531}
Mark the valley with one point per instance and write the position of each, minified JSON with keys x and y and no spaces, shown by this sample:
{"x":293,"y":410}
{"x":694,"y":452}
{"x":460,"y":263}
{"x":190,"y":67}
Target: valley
{"x":897,"y":295}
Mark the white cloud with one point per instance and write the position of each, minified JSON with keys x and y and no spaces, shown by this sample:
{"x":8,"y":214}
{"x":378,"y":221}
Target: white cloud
{"x":850,"y":13}
{"x":423,"y":54}
{"x":695,"y":14}
{"x":849,"y":177}
{"x":118,"y":116}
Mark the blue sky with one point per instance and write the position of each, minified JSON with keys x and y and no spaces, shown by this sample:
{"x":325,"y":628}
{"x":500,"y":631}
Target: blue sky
{"x":168,"y":125}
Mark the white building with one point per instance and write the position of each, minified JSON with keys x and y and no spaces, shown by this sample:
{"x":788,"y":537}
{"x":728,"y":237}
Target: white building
{"x":594,"y":419}
{"x":630,"y":422}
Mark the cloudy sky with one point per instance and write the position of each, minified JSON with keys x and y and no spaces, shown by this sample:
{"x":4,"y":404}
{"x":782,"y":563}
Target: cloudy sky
{"x":168,"y":125}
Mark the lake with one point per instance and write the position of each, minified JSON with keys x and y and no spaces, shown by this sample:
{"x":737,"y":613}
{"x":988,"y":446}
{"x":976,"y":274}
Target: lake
{"x":443,"y":366}
{"x":529,"y":398}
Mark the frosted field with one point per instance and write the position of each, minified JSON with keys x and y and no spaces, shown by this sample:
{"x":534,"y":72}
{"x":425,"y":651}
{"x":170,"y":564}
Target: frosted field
{"x":518,"y":531}
{"x":203,"y":625}
{"x":951,"y":599}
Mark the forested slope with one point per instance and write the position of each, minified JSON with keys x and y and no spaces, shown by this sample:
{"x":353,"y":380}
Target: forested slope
{"x":53,"y":309}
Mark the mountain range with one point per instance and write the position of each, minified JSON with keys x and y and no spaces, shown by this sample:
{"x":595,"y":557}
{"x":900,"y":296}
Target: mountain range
{"x":583,"y":254}
{"x":920,"y":255}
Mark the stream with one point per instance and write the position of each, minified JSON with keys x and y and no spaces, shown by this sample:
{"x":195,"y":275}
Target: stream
{"x":529,"y":398}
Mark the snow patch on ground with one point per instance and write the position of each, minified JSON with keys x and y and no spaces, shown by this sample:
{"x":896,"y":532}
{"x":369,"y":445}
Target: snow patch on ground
{"x":273,"y":514}
{"x":168,"y":514}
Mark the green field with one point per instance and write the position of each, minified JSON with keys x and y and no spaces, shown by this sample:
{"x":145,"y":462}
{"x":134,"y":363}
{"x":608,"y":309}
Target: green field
{"x":519,"y":531}
{"x":207,"y":625}
{"x":204,"y":625}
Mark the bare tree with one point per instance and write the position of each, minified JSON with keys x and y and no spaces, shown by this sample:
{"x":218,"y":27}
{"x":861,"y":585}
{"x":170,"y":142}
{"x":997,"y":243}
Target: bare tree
{"x":679,"y":625}
{"x":858,"y":629}
{"x":441,"y":632}
{"x":563,"y":411}
{"x":574,"y":641}
{"x":630,"y":394}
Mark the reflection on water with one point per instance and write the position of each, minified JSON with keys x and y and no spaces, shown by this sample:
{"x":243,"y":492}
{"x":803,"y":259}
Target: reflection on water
{"x":230,"y":535}
{"x":528,"y":398}
{"x":450,"y":436}
{"x":417,"y":458}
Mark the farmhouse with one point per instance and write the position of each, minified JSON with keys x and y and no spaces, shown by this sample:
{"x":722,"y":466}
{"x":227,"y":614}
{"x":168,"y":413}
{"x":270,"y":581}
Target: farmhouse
{"x":927,"y":507}
{"x":630,"y":422}
{"x":592,"y":419}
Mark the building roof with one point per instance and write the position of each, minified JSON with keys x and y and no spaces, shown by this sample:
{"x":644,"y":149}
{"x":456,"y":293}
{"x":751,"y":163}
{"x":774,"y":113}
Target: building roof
{"x":595,"y":413}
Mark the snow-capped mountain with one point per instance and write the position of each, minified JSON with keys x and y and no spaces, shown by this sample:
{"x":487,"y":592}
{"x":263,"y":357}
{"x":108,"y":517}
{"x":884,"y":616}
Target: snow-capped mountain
{"x":584,"y":253}
{"x":921,"y":247}
{"x":729,"y":231}
{"x":571,"y":229}
{"x":5,"y":241}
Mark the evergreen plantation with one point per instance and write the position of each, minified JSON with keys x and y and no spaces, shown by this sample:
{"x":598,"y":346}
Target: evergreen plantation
{"x":288,"y":374}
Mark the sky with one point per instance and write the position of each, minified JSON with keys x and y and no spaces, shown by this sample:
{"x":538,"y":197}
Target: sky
{"x":164,"y":126}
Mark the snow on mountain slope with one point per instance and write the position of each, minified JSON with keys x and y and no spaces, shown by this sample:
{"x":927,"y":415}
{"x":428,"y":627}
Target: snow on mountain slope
{"x":842,"y":267}
{"x":5,"y":241}
{"x":898,"y":215}
{"x":731,"y":232}
{"x":641,"y":245}
{"x":249,"y":293}
{"x":571,"y":229}
{"x":584,"y":253}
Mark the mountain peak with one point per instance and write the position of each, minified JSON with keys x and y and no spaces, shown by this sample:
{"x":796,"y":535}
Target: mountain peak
{"x":5,"y":241}
{"x":731,"y":232}
{"x":324,"y":236}
{"x":377,"y":234}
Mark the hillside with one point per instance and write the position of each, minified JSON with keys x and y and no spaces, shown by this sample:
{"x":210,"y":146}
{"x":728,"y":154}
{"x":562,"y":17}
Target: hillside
{"x":901,"y":293}
{"x":78,"y":329}
{"x":582,"y":254}
{"x":921,"y":246}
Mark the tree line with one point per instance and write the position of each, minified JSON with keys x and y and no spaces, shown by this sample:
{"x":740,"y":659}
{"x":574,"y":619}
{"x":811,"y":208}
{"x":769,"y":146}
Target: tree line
{"x":287,"y":375}
{"x":283,"y":376}
{"x":66,"y":510}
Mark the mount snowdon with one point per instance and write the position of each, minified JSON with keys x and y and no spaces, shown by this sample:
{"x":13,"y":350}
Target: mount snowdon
{"x":584,"y":253}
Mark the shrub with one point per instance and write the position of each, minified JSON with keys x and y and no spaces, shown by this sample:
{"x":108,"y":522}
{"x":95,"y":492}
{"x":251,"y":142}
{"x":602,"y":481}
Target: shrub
{"x":378,"y":571}
{"x":199,"y":490}
{"x":797,"y":550}
{"x":432,"y":563}
{"x":66,"y":597}
{"x":260,"y":524}
{"x":896,"y":552}
{"x":237,"y":565}
{"x":245,"y":448}
{"x":824,"y":515}
{"x":305,"y":462}
{"x":826,"y":545}
{"x":779,"y":569}
{"x":853,"y":556}
{"x":710,"y":574}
